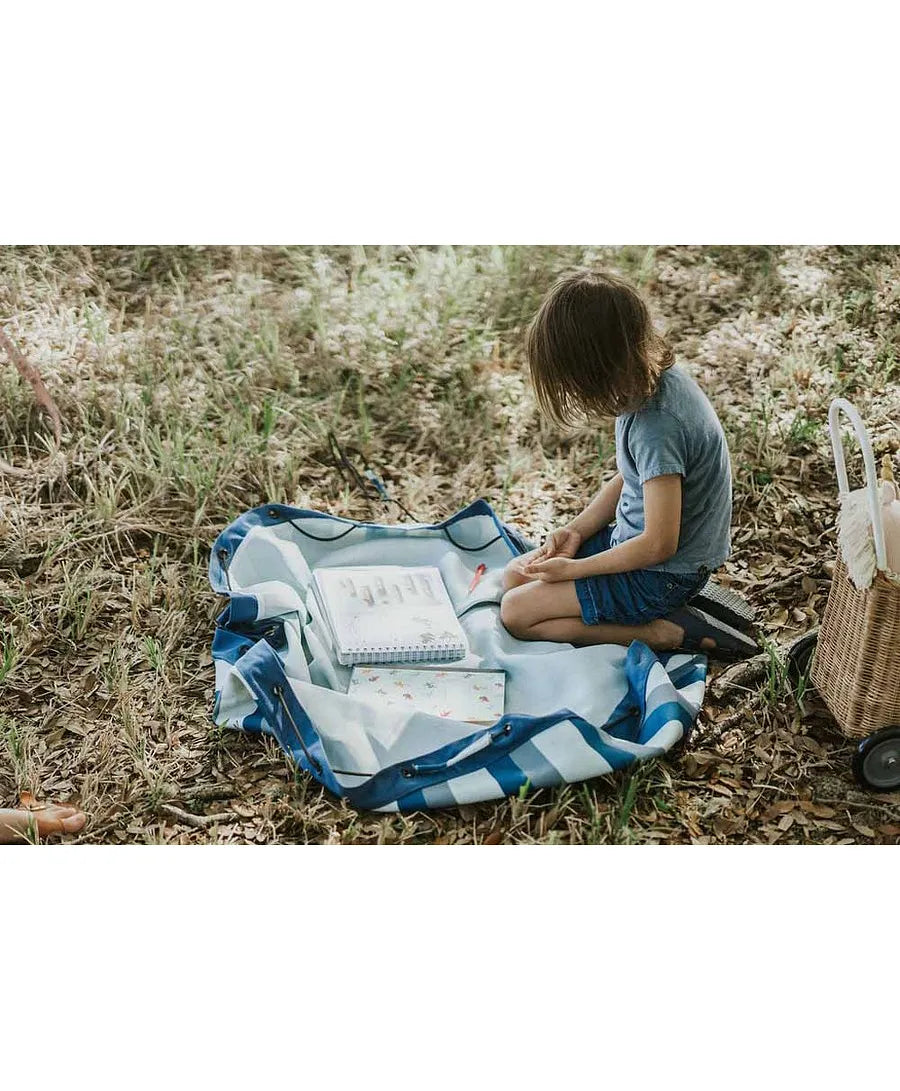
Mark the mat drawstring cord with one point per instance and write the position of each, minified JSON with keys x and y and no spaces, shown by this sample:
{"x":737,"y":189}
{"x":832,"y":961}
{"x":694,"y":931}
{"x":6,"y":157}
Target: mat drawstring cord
{"x":367,"y":481}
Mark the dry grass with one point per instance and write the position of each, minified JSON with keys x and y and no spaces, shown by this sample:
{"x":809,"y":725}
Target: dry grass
{"x":196,"y":383}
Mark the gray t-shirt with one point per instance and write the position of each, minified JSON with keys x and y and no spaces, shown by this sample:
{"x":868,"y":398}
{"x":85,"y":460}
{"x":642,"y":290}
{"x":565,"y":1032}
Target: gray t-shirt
{"x":677,"y":431}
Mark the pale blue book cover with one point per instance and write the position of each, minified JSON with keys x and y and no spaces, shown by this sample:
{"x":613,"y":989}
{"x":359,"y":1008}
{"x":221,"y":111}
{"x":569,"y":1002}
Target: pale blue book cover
{"x":476,"y":696}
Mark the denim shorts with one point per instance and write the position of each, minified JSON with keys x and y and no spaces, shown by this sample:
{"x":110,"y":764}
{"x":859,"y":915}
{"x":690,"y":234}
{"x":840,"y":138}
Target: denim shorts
{"x":631,"y":598}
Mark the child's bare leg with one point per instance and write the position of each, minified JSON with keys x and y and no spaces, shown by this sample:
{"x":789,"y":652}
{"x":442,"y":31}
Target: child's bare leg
{"x":659,"y":635}
{"x":513,"y":576}
{"x":21,"y":825}
{"x":551,"y":611}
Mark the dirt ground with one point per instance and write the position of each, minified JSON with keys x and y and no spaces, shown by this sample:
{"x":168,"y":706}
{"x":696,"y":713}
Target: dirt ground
{"x":196,"y":383}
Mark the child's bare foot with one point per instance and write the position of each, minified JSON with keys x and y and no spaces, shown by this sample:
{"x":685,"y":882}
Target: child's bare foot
{"x":45,"y":819}
{"x":666,"y":636}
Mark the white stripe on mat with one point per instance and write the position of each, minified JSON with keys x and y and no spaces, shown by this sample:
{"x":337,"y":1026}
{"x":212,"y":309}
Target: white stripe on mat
{"x":474,"y":787}
{"x":564,"y":746}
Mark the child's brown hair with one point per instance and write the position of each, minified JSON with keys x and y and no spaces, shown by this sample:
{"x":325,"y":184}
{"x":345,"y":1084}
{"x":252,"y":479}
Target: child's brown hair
{"x":592,"y":349}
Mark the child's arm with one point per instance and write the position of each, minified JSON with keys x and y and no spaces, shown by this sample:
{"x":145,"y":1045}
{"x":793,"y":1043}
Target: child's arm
{"x":657,"y":543}
{"x":601,"y":511}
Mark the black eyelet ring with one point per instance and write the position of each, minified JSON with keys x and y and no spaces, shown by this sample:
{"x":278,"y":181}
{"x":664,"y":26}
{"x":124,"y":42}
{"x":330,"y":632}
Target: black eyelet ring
{"x":406,"y":772}
{"x":274,"y":513}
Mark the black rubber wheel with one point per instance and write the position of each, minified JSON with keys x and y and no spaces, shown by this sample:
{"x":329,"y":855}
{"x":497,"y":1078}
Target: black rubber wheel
{"x":876,"y":763}
{"x":799,"y":660}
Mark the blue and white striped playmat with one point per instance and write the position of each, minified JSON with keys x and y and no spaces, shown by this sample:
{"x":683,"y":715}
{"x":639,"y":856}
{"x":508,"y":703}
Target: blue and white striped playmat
{"x":571,"y":713}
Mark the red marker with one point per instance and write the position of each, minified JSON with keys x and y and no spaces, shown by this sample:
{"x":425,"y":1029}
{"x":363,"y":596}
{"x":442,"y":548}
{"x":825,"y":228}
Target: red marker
{"x":479,"y":572}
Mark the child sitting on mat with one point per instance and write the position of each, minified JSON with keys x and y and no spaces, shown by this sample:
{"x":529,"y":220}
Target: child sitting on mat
{"x":625,"y":568}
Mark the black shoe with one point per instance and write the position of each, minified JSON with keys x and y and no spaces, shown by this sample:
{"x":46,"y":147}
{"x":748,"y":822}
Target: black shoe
{"x":727,"y":606}
{"x":730,"y":644}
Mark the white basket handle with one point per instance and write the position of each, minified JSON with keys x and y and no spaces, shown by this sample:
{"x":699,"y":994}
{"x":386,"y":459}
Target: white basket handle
{"x":871,"y":476}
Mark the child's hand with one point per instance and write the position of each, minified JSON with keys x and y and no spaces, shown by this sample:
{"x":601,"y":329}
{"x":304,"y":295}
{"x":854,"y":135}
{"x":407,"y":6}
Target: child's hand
{"x":552,"y":569}
{"x":564,"y":542}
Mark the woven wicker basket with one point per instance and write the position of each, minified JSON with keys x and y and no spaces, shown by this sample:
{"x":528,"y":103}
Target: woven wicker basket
{"x":856,"y":668}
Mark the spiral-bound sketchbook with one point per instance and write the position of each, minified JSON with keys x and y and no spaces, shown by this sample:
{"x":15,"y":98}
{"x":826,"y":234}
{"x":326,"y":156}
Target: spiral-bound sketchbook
{"x":389,"y":614}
